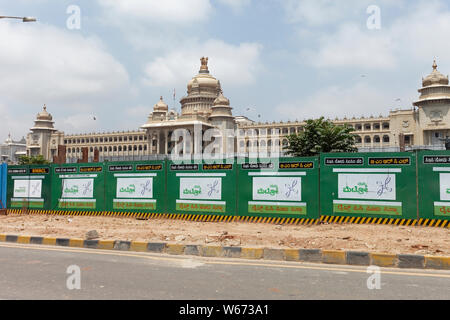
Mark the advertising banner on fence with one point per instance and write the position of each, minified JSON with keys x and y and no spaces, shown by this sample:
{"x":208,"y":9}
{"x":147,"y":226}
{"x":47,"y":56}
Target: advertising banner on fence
{"x":434,"y":184}
{"x":282,"y":188}
{"x":29,"y":187}
{"x":135,"y":186}
{"x":78,"y":187}
{"x":199,"y":188}
{"x":368,"y":185}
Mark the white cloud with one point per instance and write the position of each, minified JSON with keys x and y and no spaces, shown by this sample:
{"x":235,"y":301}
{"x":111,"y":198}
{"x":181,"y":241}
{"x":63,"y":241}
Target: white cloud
{"x":43,"y":64}
{"x":316,"y":13}
{"x":173,"y":11}
{"x":232,"y":65}
{"x":353,"y":46}
{"x":338,"y":101}
{"x":12,"y":124}
{"x":76,"y":123}
{"x":414,"y":37}
{"x":236,"y":5}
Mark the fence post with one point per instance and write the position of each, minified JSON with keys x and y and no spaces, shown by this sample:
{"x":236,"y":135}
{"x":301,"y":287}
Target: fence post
{"x":3,"y":173}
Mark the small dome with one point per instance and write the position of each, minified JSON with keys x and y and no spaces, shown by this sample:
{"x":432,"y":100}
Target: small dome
{"x":44,"y":115}
{"x":221,"y":100}
{"x":435,"y":77}
{"x":161,"y":105}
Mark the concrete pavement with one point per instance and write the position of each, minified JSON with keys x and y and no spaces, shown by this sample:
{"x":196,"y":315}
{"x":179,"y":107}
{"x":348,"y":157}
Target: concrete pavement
{"x":40,"y":272}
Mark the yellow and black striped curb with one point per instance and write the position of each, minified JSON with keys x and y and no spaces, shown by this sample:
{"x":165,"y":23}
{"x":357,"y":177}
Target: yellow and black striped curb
{"x":301,"y":255}
{"x":216,"y":218}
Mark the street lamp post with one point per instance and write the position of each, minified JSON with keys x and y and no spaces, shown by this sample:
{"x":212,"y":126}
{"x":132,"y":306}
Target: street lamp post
{"x":24,"y":19}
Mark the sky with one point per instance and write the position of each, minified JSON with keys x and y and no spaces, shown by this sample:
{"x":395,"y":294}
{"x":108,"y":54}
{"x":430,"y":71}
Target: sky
{"x":277,"y":60}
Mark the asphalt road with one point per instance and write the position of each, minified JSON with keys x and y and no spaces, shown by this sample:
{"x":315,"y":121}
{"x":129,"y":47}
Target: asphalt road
{"x":40,"y":272}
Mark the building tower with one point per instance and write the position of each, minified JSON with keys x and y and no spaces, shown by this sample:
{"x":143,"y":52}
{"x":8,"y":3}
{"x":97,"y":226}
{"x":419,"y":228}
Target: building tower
{"x":222,"y":118}
{"x":434,"y":108}
{"x":38,"y":141}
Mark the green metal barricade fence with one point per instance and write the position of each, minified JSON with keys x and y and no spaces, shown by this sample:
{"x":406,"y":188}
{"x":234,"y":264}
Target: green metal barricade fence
{"x":375,"y":185}
{"x":201,"y":188}
{"x":78,"y":187}
{"x":29,"y":187}
{"x":279,"y":188}
{"x":434,"y":184}
{"x":135,"y":187}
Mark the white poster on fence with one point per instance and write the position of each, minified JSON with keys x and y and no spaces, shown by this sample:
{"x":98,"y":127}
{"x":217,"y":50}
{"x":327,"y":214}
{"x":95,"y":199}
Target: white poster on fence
{"x":27,"y":188}
{"x":367,"y":186}
{"x":444,"y":183}
{"x":277,"y":188}
{"x":78,"y":188}
{"x":134,"y":188}
{"x":201,"y":188}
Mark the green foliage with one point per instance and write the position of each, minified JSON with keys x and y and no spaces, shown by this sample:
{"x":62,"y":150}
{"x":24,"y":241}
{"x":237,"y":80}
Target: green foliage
{"x":24,"y":160}
{"x":320,"y":136}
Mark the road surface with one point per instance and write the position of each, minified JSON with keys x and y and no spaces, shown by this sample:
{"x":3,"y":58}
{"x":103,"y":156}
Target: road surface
{"x":40,"y":272}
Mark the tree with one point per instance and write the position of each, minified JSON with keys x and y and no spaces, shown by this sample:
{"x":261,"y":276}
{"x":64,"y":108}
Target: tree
{"x":320,"y":136}
{"x":24,"y":160}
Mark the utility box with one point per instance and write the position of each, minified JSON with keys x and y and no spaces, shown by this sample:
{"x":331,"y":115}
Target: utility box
{"x":375,"y":185}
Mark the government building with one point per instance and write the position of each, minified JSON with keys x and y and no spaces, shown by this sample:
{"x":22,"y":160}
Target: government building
{"x":425,"y":125}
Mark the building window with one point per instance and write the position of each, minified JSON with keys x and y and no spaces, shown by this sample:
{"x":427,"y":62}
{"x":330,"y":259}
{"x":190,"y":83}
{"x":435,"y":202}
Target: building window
{"x":376,"y":126}
{"x":377,"y":139}
{"x":367,"y":139}
{"x":386,"y":139}
{"x":120,"y":148}
{"x":385,"y":126}
{"x":368,"y":127}
{"x":358,"y":127}
{"x":358,"y":139}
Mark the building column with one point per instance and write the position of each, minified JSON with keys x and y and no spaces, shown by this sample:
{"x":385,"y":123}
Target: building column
{"x":166,"y":141}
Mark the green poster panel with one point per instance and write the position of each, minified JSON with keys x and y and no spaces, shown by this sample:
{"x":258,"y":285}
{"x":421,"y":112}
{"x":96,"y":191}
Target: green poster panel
{"x":78,"y":187}
{"x":434,"y":184}
{"x":207,"y":188}
{"x":29,"y":187}
{"x":280,"y":188}
{"x":375,"y":185}
{"x":135,"y":186}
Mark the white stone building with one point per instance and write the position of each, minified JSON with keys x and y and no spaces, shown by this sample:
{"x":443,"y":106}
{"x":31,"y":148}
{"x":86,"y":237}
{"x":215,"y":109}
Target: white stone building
{"x":205,"y":107}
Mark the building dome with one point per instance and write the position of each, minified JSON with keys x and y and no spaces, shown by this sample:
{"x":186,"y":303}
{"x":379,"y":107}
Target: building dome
{"x":435,"y":78}
{"x":221,"y":100}
{"x":161,"y":105}
{"x":44,"y":115}
{"x":204,"y":81}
